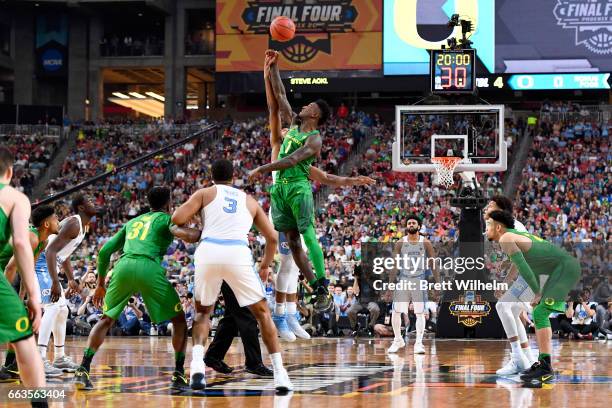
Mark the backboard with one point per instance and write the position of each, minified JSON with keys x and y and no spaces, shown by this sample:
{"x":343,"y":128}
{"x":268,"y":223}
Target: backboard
{"x":472,"y":132}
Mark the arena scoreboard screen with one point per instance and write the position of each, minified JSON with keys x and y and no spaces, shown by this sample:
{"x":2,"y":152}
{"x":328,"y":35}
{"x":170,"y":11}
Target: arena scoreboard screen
{"x":453,"y":71}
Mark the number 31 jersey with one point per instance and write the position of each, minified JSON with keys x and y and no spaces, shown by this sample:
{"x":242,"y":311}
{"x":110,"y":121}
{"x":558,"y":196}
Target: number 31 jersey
{"x":148,"y":235}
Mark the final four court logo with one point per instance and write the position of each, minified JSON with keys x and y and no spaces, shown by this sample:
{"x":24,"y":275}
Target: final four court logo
{"x":470,"y":309}
{"x":592,"y":21}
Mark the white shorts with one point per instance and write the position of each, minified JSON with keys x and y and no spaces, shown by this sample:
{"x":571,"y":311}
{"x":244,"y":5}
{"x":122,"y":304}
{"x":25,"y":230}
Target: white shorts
{"x":417,"y":297}
{"x":519,"y":292}
{"x":242,"y":279}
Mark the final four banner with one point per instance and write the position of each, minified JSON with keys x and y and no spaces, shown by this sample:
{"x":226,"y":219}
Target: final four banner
{"x":52,"y":44}
{"x":330,"y":35}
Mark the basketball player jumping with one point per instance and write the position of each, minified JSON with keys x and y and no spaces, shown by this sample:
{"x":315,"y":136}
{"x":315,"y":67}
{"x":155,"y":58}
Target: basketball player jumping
{"x":45,"y":223}
{"x":512,"y":303}
{"x":416,"y":247}
{"x":224,"y":255}
{"x":71,"y":233}
{"x":144,"y":241}
{"x":534,"y":258}
{"x":291,"y":195}
{"x":285,"y":316}
{"x":17,"y":324}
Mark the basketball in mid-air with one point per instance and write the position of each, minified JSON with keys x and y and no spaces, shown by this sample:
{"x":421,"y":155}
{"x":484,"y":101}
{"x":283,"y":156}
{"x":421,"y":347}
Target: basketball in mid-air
{"x":282,"y":29}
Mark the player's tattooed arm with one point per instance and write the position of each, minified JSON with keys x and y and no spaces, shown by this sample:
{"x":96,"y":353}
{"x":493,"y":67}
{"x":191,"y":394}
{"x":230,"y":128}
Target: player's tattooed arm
{"x":323,"y":177}
{"x":287,"y":114}
{"x":186,"y":234}
{"x":310,"y":149}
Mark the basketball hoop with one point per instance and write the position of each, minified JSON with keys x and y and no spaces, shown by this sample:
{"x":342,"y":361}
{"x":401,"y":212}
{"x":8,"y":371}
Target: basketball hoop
{"x":444,"y":169}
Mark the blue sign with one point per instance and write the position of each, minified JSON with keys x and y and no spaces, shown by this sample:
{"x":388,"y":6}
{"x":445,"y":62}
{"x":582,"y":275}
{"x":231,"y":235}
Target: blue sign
{"x":559,"y":81}
{"x":52,"y":60}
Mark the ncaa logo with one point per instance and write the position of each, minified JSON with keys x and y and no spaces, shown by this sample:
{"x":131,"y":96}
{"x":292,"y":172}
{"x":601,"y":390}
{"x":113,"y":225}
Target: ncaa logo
{"x":592,"y":21}
{"x":52,"y":60}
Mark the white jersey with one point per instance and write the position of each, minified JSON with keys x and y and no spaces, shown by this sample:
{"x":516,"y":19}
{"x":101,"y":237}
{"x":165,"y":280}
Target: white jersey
{"x":415,"y":252}
{"x":227,"y":222}
{"x":71,"y":246}
{"x":519,"y":226}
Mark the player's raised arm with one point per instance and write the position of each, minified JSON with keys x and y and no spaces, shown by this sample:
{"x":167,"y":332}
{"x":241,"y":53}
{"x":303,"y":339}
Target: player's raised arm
{"x":323,"y":177}
{"x":311,"y":148}
{"x":286,"y":113}
{"x":274,"y":113}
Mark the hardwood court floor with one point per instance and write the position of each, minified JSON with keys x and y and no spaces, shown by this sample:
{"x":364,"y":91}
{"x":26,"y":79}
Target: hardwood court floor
{"x":345,"y":372}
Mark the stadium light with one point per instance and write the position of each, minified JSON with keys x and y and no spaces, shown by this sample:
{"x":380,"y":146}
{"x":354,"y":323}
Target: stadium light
{"x":121,"y":95}
{"x":150,"y":107}
{"x":137,"y":95}
{"x":155,"y":95}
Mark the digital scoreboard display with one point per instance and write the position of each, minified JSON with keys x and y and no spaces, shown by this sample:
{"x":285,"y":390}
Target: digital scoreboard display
{"x":453,"y":71}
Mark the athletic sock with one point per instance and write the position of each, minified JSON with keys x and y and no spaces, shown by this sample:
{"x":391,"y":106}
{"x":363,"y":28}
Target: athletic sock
{"x":179,"y":361}
{"x":291,"y":308}
{"x":279,"y":309}
{"x":10,"y":357}
{"x":88,"y":355}
{"x":516,"y":348}
{"x":315,"y":253}
{"x":529,"y":354}
{"x":420,"y":328}
{"x":59,"y":352}
{"x":277,"y":361}
{"x":197,"y":353}
{"x":545,"y":358}
{"x":43,"y":351}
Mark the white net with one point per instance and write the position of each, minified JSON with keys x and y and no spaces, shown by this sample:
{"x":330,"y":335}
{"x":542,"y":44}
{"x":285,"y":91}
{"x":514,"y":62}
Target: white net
{"x":444,"y":170}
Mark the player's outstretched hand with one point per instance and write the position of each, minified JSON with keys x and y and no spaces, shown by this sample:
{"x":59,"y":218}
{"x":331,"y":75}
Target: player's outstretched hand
{"x":56,"y":291}
{"x":254,"y":174}
{"x":98,"y":296}
{"x":272,"y":55}
{"x":35,"y":314}
{"x":364,"y":181}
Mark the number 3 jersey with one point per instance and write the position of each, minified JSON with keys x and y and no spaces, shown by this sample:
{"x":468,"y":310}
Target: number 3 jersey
{"x":227,"y":222}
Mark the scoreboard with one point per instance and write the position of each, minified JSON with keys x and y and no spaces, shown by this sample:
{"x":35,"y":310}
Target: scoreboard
{"x":453,"y":71}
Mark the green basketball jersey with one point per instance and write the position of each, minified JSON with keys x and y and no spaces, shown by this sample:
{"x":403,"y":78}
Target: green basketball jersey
{"x":5,"y":237}
{"x":294,"y":139}
{"x":6,"y":252}
{"x":148,"y":235}
{"x":543,"y":256}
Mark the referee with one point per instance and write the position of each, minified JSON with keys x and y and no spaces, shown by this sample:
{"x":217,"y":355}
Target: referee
{"x":236,"y":320}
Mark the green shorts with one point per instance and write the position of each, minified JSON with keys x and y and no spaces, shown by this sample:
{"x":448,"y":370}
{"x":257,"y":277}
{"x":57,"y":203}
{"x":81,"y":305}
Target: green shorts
{"x":141,"y":275}
{"x":14,"y":320}
{"x":292,"y":206}
{"x":559,"y":284}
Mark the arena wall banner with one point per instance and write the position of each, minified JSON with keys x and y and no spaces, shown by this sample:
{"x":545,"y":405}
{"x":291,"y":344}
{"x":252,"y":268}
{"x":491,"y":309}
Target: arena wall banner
{"x":52,"y":44}
{"x":330,"y":35}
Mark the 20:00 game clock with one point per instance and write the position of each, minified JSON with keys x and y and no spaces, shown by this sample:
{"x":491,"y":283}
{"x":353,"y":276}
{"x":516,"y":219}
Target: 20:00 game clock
{"x":453,"y":71}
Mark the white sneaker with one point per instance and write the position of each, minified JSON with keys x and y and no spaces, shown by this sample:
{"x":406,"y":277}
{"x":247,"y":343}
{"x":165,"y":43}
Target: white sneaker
{"x":396,"y":345}
{"x":51,"y":371}
{"x":65,"y":364}
{"x":198,"y":380}
{"x":511,"y":368}
{"x":282,"y":383}
{"x":294,"y":326}
{"x":280,"y":321}
{"x":419,"y":348}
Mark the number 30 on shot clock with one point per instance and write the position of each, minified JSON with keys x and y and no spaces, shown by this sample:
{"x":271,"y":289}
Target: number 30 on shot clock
{"x":453,"y":71}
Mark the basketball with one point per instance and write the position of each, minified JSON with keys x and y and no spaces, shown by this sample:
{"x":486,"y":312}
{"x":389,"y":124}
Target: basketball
{"x":282,"y":29}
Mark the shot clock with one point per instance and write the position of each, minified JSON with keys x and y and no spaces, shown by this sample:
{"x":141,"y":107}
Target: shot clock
{"x":453,"y":71}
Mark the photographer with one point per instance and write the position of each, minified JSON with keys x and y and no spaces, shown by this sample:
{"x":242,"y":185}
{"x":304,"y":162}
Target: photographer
{"x":581,"y":312}
{"x":132,"y":319}
{"x":365,"y":294}
{"x":602,"y":295}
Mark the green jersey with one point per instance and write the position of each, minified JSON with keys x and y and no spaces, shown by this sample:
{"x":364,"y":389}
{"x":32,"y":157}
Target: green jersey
{"x":6,"y":252}
{"x":294,"y":139}
{"x":147,"y":235}
{"x":543,"y":256}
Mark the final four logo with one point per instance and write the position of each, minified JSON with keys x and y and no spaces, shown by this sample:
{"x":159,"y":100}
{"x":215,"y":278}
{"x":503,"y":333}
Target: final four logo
{"x":469,"y":309}
{"x":592,"y":20}
{"x":316,"y":21}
